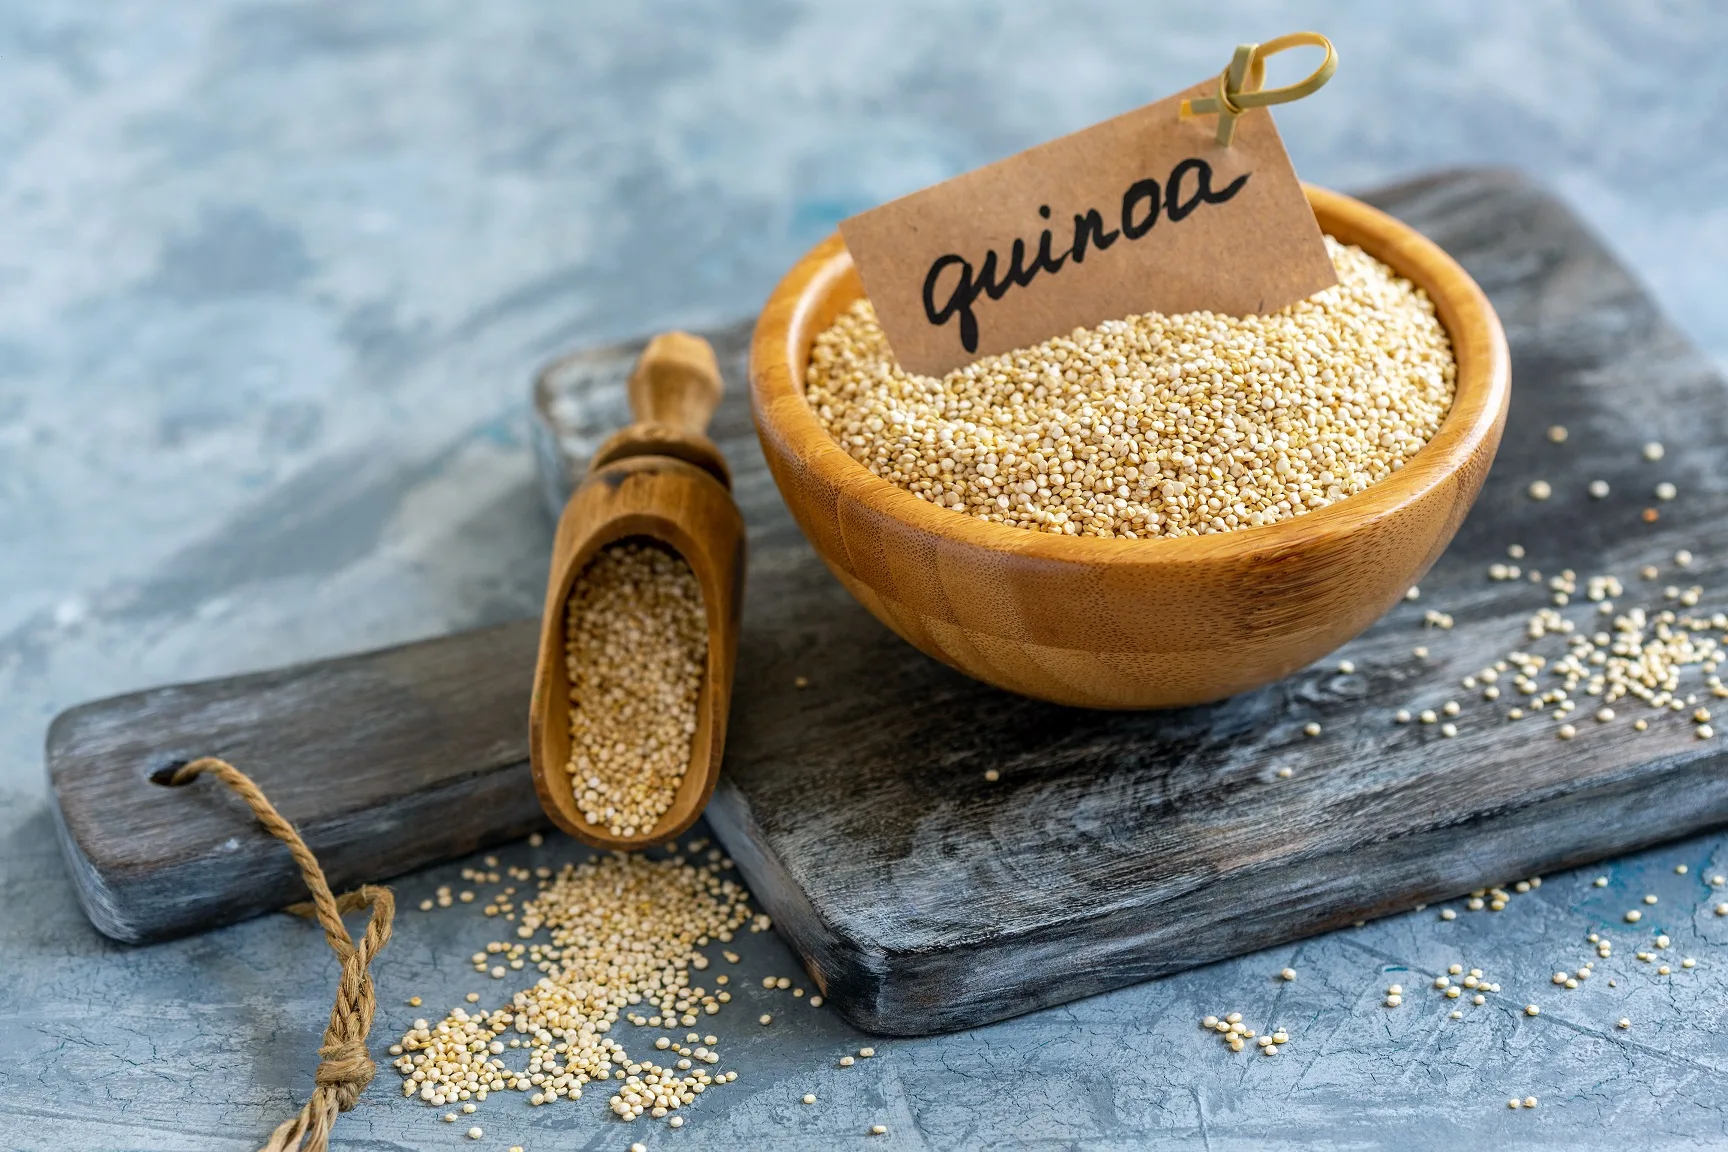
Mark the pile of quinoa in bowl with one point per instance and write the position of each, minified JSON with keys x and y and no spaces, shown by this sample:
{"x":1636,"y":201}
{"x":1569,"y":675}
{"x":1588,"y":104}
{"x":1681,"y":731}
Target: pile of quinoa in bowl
{"x":1154,"y":425}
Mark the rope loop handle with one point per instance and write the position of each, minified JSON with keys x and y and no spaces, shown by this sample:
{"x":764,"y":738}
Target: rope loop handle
{"x":1241,"y":84}
{"x":345,"y":1067}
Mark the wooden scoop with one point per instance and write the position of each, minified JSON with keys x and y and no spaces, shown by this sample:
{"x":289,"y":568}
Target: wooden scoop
{"x":659,"y":479}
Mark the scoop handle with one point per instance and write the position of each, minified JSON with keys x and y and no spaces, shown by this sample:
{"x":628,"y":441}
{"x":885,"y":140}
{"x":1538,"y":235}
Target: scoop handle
{"x":676,"y":383}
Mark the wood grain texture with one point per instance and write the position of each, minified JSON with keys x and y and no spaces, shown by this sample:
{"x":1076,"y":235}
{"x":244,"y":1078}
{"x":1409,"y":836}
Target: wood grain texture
{"x":385,"y":762}
{"x":1130,"y":623}
{"x":654,"y":480}
{"x":1118,"y":846}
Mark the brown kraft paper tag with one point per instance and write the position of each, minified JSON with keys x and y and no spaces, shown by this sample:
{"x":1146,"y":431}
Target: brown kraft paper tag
{"x":1145,"y":212}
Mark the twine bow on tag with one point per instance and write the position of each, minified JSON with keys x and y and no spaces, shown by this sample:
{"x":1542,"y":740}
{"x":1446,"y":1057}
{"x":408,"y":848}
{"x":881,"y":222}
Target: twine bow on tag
{"x":345,"y":1067}
{"x":1239,"y":85}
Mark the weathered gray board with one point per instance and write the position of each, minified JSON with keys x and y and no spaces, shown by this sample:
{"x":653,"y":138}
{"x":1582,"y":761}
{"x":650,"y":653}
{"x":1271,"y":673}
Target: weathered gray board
{"x":1115,"y":846}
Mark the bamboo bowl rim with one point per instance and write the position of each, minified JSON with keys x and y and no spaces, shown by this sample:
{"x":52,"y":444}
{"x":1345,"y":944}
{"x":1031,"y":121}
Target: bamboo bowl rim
{"x":779,"y":357}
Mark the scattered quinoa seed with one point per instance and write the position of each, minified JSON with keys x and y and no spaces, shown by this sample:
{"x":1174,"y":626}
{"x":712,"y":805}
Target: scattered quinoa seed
{"x":1532,"y":1010}
{"x":1557,"y":433}
{"x":1540,"y":490}
{"x":619,"y":930}
{"x":1653,"y":451}
{"x":1311,"y":729}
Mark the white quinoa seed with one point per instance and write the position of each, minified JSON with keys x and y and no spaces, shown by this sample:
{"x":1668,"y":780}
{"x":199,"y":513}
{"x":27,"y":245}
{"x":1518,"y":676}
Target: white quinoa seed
{"x":1557,"y":433}
{"x":1154,"y":425}
{"x":1540,"y":490}
{"x":1599,"y":489}
{"x":637,"y":645}
{"x":618,"y":930}
{"x":1653,"y":451}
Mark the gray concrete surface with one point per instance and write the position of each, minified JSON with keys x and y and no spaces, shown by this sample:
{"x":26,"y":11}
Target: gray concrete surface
{"x":273,"y":277}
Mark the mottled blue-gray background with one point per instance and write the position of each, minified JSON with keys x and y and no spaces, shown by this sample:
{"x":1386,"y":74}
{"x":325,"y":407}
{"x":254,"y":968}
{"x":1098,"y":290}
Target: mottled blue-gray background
{"x":273,"y":279}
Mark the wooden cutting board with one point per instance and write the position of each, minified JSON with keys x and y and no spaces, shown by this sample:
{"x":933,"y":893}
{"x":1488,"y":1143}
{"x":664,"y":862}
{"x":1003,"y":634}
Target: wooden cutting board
{"x":1114,"y":846}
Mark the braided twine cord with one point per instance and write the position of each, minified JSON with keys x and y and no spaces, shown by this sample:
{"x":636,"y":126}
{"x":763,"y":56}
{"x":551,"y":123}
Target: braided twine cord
{"x":344,"y":1066}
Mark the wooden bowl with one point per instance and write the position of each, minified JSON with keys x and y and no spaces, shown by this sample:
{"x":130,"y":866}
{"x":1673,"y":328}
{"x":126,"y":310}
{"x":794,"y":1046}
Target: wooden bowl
{"x":1106,"y":623}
